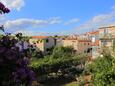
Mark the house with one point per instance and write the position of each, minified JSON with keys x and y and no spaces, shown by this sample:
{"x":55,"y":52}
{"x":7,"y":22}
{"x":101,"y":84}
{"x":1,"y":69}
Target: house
{"x":80,"y":45}
{"x":43,"y":43}
{"x":94,"y":36}
{"x":58,"y":40}
{"x":107,"y":36}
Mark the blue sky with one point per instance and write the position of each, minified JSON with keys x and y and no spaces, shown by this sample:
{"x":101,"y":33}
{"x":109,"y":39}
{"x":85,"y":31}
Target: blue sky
{"x":41,"y":17}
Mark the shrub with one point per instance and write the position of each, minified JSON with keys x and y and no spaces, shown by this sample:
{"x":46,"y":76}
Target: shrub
{"x":14,"y":65}
{"x":103,"y":71}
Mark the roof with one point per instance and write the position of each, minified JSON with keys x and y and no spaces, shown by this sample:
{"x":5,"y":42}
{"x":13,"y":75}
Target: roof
{"x":84,"y":40}
{"x":39,"y":37}
{"x":107,"y":27}
{"x":96,"y":43}
{"x":70,"y":39}
{"x":93,"y":33}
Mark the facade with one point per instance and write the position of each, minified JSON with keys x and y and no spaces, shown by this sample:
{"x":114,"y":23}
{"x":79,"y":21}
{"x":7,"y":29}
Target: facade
{"x":90,"y":42}
{"x":94,"y":36}
{"x":58,"y":41}
{"x":95,"y":49}
{"x":78,"y":44}
{"x":43,"y":43}
{"x":107,"y":35}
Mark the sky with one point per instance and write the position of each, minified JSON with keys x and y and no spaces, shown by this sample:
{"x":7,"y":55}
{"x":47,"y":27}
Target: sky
{"x":57,"y":17}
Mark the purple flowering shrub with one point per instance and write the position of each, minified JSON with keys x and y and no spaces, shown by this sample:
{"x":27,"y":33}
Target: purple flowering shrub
{"x":3,"y":9}
{"x":14,"y":70}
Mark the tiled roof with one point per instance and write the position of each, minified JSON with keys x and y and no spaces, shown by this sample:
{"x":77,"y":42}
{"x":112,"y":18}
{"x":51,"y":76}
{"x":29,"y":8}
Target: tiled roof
{"x":107,"y":27}
{"x":70,"y":39}
{"x":84,"y":40}
{"x":39,"y":37}
{"x":93,"y":32}
{"x":96,"y":43}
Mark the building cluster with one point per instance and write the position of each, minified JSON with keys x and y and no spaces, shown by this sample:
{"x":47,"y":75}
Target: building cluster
{"x":90,"y":42}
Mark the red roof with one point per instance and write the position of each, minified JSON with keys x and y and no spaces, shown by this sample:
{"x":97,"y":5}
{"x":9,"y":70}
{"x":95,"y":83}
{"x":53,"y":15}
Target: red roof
{"x":96,"y":43}
{"x":39,"y":37}
{"x":107,"y":27}
{"x":70,"y":39}
{"x":113,"y":36}
{"x":84,"y":40}
{"x":94,"y":32}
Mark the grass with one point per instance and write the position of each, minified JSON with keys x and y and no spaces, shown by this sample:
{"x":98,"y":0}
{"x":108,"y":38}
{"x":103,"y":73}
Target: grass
{"x":74,"y":83}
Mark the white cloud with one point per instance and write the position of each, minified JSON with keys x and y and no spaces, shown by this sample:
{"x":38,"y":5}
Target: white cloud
{"x":55,"y":20}
{"x":25,"y":32}
{"x":101,"y":18}
{"x":72,"y":21}
{"x":32,"y":33}
{"x":13,"y":4}
{"x":25,"y":23}
{"x":97,"y":21}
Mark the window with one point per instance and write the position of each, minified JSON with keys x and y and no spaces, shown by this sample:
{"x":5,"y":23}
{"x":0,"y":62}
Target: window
{"x":89,"y":50}
{"x":84,"y":43}
{"x":105,"y":31}
{"x":84,"y":51}
{"x":105,"y":43}
{"x":88,"y":43}
{"x":40,"y":41}
{"x":47,"y":40}
{"x":37,"y":41}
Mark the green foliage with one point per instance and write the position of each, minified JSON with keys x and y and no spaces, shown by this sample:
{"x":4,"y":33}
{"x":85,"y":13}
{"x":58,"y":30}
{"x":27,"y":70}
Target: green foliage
{"x":62,"y":52}
{"x":49,"y":65}
{"x":114,"y":45}
{"x":61,"y":59}
{"x":106,"y":51}
{"x":103,"y":71}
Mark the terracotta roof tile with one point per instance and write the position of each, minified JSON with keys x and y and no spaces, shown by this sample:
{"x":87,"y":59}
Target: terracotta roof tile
{"x":84,"y":40}
{"x":107,"y":27}
{"x":96,"y":43}
{"x":39,"y":37}
{"x":94,"y":32}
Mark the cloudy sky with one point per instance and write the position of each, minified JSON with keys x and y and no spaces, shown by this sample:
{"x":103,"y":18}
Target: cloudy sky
{"x":45,"y":17}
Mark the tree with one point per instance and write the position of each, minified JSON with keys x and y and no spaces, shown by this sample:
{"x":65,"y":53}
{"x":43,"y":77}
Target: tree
{"x":62,"y":52}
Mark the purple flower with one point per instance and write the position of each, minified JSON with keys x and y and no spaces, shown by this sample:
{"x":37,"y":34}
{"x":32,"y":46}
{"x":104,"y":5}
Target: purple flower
{"x":11,"y":54}
{"x":25,"y":62}
{"x":2,"y":49}
{"x":3,"y":8}
{"x":21,"y":73}
{"x":31,"y":75}
{"x":14,"y":65}
{"x":6,"y":10}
